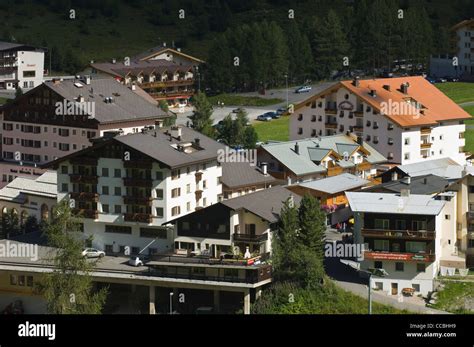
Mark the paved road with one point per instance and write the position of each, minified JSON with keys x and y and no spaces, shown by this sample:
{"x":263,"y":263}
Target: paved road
{"x":466,"y":104}
{"x":254,"y":111}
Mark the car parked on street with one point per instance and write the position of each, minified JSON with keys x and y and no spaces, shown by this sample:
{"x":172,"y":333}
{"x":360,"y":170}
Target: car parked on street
{"x":264,"y":118}
{"x":273,"y":115}
{"x":92,"y":253}
{"x":304,"y":89}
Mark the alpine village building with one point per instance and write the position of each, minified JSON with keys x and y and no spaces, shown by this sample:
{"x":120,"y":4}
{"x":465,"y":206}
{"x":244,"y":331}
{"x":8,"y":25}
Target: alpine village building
{"x":406,"y":119}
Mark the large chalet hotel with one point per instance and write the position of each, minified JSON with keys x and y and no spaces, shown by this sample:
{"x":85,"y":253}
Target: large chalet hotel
{"x":405,"y":119}
{"x":165,"y":73}
{"x":33,"y":133}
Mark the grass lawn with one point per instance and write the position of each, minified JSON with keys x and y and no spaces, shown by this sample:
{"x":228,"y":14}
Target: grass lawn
{"x":277,"y":129}
{"x":238,"y":100}
{"x":456,"y":297}
{"x":459,"y":92}
{"x":469,"y":135}
{"x":3,"y":101}
{"x":470,"y":110}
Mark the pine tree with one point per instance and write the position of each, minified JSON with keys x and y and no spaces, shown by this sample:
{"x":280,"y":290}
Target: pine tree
{"x":201,"y":119}
{"x":300,"y":55}
{"x":250,"y":138}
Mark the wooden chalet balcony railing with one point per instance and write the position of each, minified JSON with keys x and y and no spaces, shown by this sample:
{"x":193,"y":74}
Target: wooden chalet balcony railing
{"x":331,"y":111}
{"x":135,"y":164}
{"x":334,"y":171}
{"x":331,"y":125}
{"x":399,"y":234}
{"x":88,"y":161}
{"x":399,"y":256}
{"x":250,"y":238}
{"x":83,"y":196}
{"x":426,"y":145}
{"x":88,"y":178}
{"x":364,"y":166}
{"x":134,"y":200}
{"x":138,"y":217}
{"x":86,"y":213}
{"x":425,"y":131}
{"x":137,"y":182}
{"x":163,"y":84}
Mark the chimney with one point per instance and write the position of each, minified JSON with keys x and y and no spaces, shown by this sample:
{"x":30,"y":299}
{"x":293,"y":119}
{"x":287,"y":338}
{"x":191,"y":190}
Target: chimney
{"x":264,"y":168}
{"x":114,"y":61}
{"x":425,"y":180}
{"x":134,"y":87}
{"x":164,"y":44}
{"x":80,"y":98}
{"x":404,"y":87}
{"x":408,"y":180}
{"x":178,"y":49}
{"x":87,"y":80}
{"x":56,"y":81}
{"x":373,"y":93}
{"x":386,"y":87}
{"x":197,"y":141}
{"x":176,"y":132}
{"x":297,"y":148}
{"x":394,"y":176}
{"x":356,"y":82}
{"x":405,"y":193}
{"x":158,"y":123}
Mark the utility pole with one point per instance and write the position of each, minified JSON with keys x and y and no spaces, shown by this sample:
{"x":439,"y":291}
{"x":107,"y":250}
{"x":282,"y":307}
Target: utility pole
{"x":287,"y":103}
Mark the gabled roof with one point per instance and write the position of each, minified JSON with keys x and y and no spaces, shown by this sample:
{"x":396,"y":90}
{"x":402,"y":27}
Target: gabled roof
{"x":158,"y":145}
{"x":394,"y":203}
{"x":157,"y":50}
{"x":266,"y":203}
{"x":335,"y":184}
{"x":7,"y":46}
{"x":463,"y":24}
{"x":436,"y":106}
{"x":159,"y":66}
{"x":443,"y":167}
{"x":235,"y":175}
{"x":126,"y":106}
{"x":312,"y":150}
{"x":17,"y":190}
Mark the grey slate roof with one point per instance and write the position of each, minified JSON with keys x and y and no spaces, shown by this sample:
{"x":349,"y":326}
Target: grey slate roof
{"x":336,"y":184}
{"x":314,"y":148}
{"x":427,"y":184}
{"x":444,"y":167}
{"x":394,"y":203}
{"x":160,"y":149}
{"x":126,"y":104}
{"x":236,"y":175}
{"x":135,"y":67}
{"x":266,"y":203}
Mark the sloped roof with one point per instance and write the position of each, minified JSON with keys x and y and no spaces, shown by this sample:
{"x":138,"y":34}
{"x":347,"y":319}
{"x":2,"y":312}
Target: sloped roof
{"x":443,"y":167}
{"x":158,"y":66}
{"x":336,"y":184}
{"x":426,"y":184}
{"x":161,"y":49}
{"x":315,"y":149}
{"x":436,"y":106}
{"x":126,"y":104}
{"x":44,"y":185}
{"x":266,"y":203}
{"x":236,"y":175}
{"x":394,"y":203}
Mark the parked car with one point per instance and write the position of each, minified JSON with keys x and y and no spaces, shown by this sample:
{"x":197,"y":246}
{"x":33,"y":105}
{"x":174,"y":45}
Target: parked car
{"x":281,"y":111}
{"x":430,"y":79}
{"x":264,"y":118}
{"x":451,"y":79}
{"x":304,"y":89}
{"x":92,"y":253}
{"x":441,"y":80}
{"x":135,"y":261}
{"x":272,"y":115}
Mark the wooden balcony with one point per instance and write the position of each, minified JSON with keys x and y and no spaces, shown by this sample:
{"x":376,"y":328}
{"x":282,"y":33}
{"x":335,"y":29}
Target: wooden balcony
{"x":85,"y":196}
{"x":365,"y":166}
{"x":135,"y":164}
{"x":138,"y":217}
{"x":86,"y":213}
{"x":358,"y":128}
{"x":250,"y":238}
{"x":399,"y":234}
{"x":331,"y":125}
{"x":359,"y":113}
{"x":137,"y":182}
{"x":425,"y":145}
{"x":425,"y":131}
{"x":87,"y":161}
{"x":89,"y":179}
{"x":334,"y":171}
{"x":397,"y":256}
{"x":169,"y":83}
{"x":331,"y":111}
{"x":198,"y":194}
{"x":198,"y":176}
{"x":134,"y":200}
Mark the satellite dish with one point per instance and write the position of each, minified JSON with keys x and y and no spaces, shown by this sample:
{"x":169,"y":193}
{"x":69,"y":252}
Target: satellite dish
{"x":346,"y":156}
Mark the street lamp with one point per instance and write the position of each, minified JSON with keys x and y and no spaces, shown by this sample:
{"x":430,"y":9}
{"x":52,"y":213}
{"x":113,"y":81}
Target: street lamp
{"x":171,"y":302}
{"x":369,"y":273}
{"x":287,"y":103}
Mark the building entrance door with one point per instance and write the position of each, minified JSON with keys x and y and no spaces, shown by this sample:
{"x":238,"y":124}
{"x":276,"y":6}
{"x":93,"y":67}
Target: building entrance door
{"x":394,"y":288}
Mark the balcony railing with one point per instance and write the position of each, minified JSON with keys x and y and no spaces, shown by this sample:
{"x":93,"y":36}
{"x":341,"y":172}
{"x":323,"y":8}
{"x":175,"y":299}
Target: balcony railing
{"x":84,"y":161}
{"x":134,"y":200}
{"x":364,"y":166}
{"x":85,"y":196}
{"x":163,"y":84}
{"x":137,"y":182}
{"x":77,"y":178}
{"x":426,"y":145}
{"x":331,"y":110}
{"x":135,"y":164}
{"x":138,"y":217}
{"x":399,"y":256}
{"x":358,"y":128}
{"x":425,"y":131}
{"x":250,"y":238}
{"x":399,"y":234}
{"x":331,"y":125}
{"x":86,"y":213}
{"x":334,"y":171}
